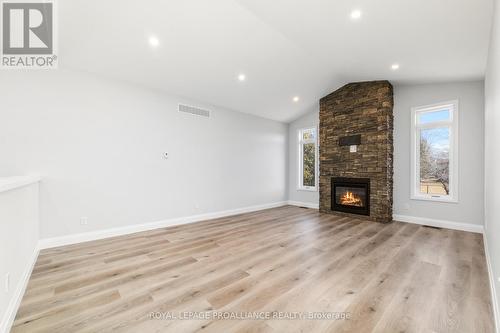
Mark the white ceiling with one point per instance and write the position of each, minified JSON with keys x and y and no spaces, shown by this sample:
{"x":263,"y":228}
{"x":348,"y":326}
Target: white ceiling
{"x":286,"y":48}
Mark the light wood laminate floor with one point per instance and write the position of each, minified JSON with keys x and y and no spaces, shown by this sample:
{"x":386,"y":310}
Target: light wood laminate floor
{"x":396,"y":277}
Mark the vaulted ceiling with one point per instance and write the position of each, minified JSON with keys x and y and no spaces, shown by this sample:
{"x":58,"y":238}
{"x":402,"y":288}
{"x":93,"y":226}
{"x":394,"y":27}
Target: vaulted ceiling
{"x":285,"y":48}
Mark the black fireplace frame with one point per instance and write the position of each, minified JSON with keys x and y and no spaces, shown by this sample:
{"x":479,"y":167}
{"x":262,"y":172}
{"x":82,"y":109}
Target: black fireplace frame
{"x":363,"y":183}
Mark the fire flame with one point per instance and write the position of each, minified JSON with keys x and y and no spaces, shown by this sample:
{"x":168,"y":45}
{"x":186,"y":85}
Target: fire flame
{"x":349,"y":198}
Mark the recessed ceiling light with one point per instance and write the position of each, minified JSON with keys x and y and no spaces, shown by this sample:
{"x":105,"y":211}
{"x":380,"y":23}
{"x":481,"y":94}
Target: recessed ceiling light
{"x":242,"y":77}
{"x":154,"y":41}
{"x":356,"y":14}
{"x":395,"y":67}
{"x":296,"y":99}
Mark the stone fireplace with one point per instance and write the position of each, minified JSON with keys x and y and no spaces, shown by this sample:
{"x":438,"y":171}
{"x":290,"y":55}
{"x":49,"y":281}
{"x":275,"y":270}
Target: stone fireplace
{"x":356,"y":149}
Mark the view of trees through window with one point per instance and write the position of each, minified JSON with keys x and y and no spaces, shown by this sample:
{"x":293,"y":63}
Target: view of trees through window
{"x":307,"y":140}
{"x":435,"y":161}
{"x":309,"y":164}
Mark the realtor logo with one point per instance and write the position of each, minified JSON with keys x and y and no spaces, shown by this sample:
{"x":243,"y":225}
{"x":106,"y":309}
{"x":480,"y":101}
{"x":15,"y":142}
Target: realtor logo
{"x":28,"y":35}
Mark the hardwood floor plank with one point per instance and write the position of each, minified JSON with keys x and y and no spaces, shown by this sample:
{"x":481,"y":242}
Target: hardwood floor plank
{"x":390,"y":277}
{"x":408,"y":310}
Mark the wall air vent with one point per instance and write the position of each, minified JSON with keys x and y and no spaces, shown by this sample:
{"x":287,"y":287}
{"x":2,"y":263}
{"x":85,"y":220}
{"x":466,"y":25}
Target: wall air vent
{"x":194,"y":110}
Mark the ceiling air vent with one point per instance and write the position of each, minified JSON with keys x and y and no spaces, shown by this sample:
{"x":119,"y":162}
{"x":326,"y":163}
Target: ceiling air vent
{"x":194,"y":110}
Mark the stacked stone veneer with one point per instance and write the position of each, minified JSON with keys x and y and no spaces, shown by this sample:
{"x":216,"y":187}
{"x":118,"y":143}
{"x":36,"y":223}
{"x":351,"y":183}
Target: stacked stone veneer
{"x":364,"y":108}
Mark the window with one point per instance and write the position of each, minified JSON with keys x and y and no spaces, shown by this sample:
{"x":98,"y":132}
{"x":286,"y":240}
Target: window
{"x":308,"y":157}
{"x":435,"y":152}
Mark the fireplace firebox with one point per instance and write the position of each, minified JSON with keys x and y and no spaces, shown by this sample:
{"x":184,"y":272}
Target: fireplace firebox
{"x":351,"y":195}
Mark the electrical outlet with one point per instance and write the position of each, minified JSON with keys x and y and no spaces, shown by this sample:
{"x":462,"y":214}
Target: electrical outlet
{"x":84,"y":220}
{"x":7,"y":282}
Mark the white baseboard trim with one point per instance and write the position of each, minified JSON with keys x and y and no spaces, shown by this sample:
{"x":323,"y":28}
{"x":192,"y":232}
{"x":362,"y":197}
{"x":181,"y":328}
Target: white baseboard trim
{"x":15,"y":301}
{"x":303,"y":204}
{"x":101,"y":234}
{"x":494,"y":298}
{"x":439,"y":223}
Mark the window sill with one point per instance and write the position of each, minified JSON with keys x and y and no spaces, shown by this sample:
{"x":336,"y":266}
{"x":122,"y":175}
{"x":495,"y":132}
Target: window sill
{"x":312,"y":189}
{"x":426,"y":198}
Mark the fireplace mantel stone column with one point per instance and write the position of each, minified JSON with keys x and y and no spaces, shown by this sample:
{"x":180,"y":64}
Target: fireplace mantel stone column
{"x":364,"y":108}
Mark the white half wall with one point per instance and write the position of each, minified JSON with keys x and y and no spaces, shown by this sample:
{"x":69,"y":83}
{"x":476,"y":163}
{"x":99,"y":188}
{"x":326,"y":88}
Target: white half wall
{"x":492,"y":160}
{"x":18,"y":244}
{"x":469,"y":209}
{"x":99,"y":145}
{"x":300,"y":197}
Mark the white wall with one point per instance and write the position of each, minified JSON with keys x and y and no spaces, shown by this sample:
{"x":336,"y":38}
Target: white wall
{"x":311,"y":119}
{"x":492,"y":156}
{"x":99,"y":144}
{"x":18,"y":246}
{"x":470,"y":95}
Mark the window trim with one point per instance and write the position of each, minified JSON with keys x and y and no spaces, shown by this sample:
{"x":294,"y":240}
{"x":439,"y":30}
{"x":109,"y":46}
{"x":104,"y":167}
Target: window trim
{"x":300,"y":143}
{"x":454,"y":151}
